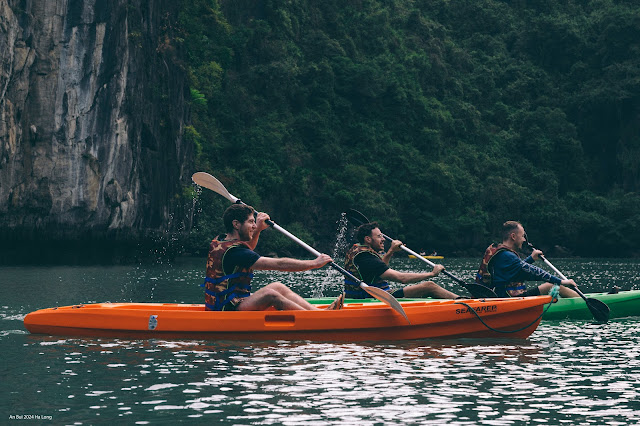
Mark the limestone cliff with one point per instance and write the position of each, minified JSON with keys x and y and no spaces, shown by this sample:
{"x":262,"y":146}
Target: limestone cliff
{"x":92,"y":116}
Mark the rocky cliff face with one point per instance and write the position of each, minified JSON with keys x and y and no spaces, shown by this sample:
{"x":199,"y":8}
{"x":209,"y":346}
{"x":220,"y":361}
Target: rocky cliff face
{"x":92,"y":113}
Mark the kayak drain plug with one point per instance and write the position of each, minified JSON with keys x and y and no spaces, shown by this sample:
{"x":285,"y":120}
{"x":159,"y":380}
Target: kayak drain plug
{"x":153,"y":322}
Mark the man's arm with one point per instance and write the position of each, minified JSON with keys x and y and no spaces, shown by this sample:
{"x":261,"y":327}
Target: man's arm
{"x":510,"y":268}
{"x":537,"y":274}
{"x":261,"y":226}
{"x":410,"y":277}
{"x":288,"y":264}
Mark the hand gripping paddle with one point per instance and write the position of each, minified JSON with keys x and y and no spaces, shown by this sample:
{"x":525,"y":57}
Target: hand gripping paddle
{"x":478,"y":291}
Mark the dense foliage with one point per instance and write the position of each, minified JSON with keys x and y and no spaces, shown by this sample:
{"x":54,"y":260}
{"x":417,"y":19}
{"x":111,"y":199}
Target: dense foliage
{"x":441,"y":119}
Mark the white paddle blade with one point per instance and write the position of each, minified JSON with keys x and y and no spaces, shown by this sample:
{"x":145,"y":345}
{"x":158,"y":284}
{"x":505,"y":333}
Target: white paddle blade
{"x":205,"y":180}
{"x":385,"y":297}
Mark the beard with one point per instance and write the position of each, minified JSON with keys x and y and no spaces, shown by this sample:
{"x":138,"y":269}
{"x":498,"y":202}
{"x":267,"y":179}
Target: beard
{"x":377,"y":247}
{"x":244,"y":234}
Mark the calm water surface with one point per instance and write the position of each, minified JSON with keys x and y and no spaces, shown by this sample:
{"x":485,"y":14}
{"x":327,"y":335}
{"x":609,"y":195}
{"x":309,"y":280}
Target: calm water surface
{"x":571,"y":372}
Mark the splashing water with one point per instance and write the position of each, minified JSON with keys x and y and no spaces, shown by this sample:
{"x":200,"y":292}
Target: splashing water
{"x":342,"y":243}
{"x":333,"y":278}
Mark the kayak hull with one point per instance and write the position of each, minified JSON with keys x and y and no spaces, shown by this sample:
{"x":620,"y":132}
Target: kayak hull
{"x":504,"y":318}
{"x":622,"y":304}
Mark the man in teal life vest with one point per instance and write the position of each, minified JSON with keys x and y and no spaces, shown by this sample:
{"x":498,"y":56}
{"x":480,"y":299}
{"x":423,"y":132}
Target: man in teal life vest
{"x":505,"y":272}
{"x":231,"y":262}
{"x":364,"y":261}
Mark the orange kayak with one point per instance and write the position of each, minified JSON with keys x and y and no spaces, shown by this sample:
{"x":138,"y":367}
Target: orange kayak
{"x":510,"y":318}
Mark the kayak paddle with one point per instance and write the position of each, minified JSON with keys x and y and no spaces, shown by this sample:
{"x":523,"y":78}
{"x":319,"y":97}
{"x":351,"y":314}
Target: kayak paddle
{"x":478,"y":291}
{"x":207,"y":181}
{"x":598,"y":308}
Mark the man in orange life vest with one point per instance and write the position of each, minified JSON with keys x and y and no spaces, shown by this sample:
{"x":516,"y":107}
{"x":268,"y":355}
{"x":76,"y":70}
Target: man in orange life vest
{"x":364,"y":261}
{"x":231,"y":262}
{"x":503,"y":270}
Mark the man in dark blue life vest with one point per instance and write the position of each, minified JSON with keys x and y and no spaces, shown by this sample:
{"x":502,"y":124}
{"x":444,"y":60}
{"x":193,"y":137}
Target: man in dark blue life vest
{"x":504,"y":271}
{"x":231,"y":262}
{"x":364,"y":261}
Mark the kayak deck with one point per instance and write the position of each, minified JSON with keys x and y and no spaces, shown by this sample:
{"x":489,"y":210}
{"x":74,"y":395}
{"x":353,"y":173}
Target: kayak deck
{"x":505,"y":318}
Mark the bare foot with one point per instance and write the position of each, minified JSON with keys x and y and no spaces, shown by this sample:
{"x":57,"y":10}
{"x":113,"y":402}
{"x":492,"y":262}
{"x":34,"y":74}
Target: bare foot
{"x":337,"y":304}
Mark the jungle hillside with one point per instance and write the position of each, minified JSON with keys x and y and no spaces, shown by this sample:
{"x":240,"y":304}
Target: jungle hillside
{"x":439,"y":119}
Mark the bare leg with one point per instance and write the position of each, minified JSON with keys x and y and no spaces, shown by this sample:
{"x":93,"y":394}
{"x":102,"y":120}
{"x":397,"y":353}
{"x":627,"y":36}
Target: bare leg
{"x":337,"y":304}
{"x":280,"y":297}
{"x":291,"y":295}
{"x":565,"y":292}
{"x":428,"y":289}
{"x":299,"y":300}
{"x":268,"y":297}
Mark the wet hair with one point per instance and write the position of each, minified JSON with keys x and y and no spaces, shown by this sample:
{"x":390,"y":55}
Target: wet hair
{"x":239,"y":212}
{"x":508,"y":227}
{"x":364,"y":230}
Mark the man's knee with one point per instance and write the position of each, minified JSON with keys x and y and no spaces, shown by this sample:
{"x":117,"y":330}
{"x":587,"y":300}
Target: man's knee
{"x":276,"y":286}
{"x":536,"y":291}
{"x":422,"y":289}
{"x":269,"y":294}
{"x":261,"y":299}
{"x":548,"y":287}
{"x":428,"y":285}
{"x":273,"y":297}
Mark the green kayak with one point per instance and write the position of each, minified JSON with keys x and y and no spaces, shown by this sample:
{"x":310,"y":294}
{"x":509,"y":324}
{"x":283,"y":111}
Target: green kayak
{"x":622,"y":304}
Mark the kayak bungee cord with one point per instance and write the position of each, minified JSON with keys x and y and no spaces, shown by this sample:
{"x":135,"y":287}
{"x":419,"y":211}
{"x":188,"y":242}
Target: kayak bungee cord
{"x":554,"y":297}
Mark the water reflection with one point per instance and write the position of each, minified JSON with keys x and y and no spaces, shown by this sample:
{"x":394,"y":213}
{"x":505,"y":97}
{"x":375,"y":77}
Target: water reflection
{"x":566,"y":372}
{"x":572,"y":372}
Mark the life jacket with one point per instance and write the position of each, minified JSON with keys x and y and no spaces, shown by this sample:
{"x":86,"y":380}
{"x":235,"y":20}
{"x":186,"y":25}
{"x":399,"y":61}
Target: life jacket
{"x":483,"y":276}
{"x":352,"y":289}
{"x":225,"y":291}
